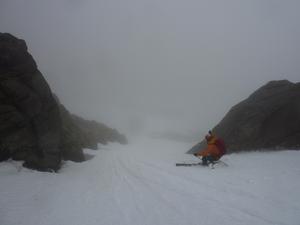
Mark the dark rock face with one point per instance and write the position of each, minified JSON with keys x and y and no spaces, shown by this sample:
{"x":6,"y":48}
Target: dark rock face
{"x":268,"y":120}
{"x":30,"y":125}
{"x":78,"y":133}
{"x":98,"y":132}
{"x":73,"y":138}
{"x":34,"y":126}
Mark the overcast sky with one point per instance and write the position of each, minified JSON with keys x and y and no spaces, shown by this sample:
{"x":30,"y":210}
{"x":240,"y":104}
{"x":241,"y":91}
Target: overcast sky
{"x":169,"y":64}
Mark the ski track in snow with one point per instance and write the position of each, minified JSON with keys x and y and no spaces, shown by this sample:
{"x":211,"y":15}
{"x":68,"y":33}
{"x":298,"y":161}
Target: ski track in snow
{"x":138,"y":184}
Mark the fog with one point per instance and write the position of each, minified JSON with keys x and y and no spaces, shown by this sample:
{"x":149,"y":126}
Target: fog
{"x":157,"y":65}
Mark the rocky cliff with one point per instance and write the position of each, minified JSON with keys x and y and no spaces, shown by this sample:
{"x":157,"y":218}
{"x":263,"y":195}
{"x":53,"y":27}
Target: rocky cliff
{"x":98,"y":132}
{"x":34,"y":126}
{"x":30,"y":123}
{"x":268,"y":120}
{"x":78,"y":133}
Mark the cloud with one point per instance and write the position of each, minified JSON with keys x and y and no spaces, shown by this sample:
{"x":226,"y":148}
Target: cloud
{"x":182,"y":62}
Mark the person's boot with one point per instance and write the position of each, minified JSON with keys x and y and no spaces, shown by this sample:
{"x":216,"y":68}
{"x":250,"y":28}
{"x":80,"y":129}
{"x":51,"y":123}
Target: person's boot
{"x":204,"y":161}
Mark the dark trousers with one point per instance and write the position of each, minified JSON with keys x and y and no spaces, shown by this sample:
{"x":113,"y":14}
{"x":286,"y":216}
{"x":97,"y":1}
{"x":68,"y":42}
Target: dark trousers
{"x":207,"y":159}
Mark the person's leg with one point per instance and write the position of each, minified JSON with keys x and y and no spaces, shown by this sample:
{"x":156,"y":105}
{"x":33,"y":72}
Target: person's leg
{"x":204,"y":160}
{"x":207,"y":160}
{"x":210,"y":159}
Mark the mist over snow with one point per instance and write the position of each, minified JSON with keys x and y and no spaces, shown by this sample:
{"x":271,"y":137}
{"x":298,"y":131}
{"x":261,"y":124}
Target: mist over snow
{"x":139,"y":184}
{"x":161,"y":72}
{"x":181,"y":62}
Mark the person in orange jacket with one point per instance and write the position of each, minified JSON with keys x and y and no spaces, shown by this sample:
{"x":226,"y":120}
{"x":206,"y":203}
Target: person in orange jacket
{"x":214,"y":151}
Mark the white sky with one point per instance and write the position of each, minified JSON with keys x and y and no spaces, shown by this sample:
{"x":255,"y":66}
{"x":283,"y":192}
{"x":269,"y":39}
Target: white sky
{"x":169,"y":64}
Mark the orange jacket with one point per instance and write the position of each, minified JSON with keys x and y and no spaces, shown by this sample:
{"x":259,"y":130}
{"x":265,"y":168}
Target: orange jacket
{"x":211,"y":150}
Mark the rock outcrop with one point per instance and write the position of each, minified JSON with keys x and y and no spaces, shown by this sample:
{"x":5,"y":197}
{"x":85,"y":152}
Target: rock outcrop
{"x":73,"y":138}
{"x":98,"y":132}
{"x":268,"y":120}
{"x":78,"y":133}
{"x":34,"y":126}
{"x":30,"y":124}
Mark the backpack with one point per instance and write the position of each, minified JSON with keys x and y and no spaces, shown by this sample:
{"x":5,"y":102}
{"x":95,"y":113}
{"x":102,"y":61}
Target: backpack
{"x":221,"y":146}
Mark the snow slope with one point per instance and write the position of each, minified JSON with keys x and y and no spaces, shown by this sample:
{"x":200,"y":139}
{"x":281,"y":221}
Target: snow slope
{"x":138,"y":184}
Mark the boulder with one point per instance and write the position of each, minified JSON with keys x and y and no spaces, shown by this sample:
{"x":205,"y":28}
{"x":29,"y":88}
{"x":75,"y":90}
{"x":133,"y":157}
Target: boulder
{"x":269,"y":119}
{"x":30,"y":124}
{"x":34,"y":125}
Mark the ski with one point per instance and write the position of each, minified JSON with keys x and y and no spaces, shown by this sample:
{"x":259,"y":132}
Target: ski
{"x":200,"y":164}
{"x":189,"y":164}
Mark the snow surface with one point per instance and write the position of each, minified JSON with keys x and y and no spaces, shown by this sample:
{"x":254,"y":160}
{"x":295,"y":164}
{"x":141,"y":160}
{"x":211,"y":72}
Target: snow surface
{"x":138,"y":184}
